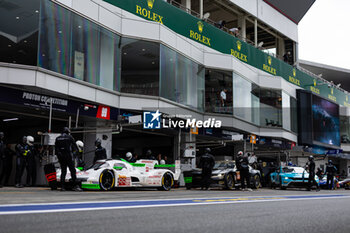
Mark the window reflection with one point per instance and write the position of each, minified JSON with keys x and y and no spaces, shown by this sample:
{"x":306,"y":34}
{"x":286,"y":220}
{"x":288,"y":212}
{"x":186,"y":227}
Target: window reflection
{"x":140,"y":67}
{"x":270,"y":107}
{"x":182,"y":80}
{"x":19,"y":29}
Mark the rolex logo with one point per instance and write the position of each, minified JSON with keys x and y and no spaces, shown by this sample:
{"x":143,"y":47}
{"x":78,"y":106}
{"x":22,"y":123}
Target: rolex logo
{"x":150,"y":3}
{"x":200,"y":26}
{"x":315,"y":82}
{"x":269,"y":60}
{"x":239,"y":45}
{"x":332,"y":91}
{"x":294,"y":72}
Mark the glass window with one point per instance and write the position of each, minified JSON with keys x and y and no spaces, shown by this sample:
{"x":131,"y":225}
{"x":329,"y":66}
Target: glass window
{"x":182,"y":80}
{"x":76,"y":47}
{"x":140,"y":67}
{"x":85,"y":48}
{"x":19,"y":30}
{"x":218,"y":91}
{"x":293,"y":115}
{"x":55,"y":38}
{"x":246,"y":99}
{"x":286,"y":113}
{"x":270,"y":107}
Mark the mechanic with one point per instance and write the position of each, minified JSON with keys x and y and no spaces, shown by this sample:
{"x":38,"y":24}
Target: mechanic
{"x":312,"y":180}
{"x":330,"y":172}
{"x":22,"y":151}
{"x":243,"y":167}
{"x":129,"y":158}
{"x":100,"y":152}
{"x":7,"y":165}
{"x":78,"y":155}
{"x":149,"y":155}
{"x":30,"y":162}
{"x":207,"y":163}
{"x":64,"y":145}
{"x":2,"y":157}
{"x":319,"y":173}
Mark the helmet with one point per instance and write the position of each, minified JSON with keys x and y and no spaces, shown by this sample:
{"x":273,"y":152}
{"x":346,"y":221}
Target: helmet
{"x":66,"y":130}
{"x":207,"y":150}
{"x":98,"y":142}
{"x":162,"y":161}
{"x":80,"y":144}
{"x":240,"y":153}
{"x":311,"y":158}
{"x":24,"y":139}
{"x":128,"y":155}
{"x":149,"y":152}
{"x":1,"y":135}
{"x":30,"y":140}
{"x":330,"y":162}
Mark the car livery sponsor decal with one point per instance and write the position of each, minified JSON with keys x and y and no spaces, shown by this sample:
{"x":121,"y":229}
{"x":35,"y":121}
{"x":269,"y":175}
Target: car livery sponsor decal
{"x":124,"y":181}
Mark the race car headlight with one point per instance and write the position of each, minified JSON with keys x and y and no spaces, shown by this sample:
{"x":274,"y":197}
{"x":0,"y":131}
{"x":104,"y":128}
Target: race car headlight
{"x":286,"y":178}
{"x":220,"y":175}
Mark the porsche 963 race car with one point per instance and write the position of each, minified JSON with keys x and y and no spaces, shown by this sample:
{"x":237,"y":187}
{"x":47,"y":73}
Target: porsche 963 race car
{"x":109,"y":174}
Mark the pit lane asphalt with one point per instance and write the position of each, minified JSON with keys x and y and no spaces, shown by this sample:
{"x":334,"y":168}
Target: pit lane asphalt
{"x":299,"y":215}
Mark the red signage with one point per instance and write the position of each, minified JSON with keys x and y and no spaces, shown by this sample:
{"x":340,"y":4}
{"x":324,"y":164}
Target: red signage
{"x":103,"y":112}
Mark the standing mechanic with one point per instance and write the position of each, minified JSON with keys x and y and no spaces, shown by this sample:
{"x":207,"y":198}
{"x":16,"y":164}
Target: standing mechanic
{"x":64,"y":145}
{"x":30,"y":162}
{"x":330,"y":172}
{"x":78,"y":155}
{"x":243,"y":167}
{"x":312,"y":180}
{"x":22,"y":151}
{"x":100,"y":152}
{"x":207,"y":163}
{"x":7,"y":165}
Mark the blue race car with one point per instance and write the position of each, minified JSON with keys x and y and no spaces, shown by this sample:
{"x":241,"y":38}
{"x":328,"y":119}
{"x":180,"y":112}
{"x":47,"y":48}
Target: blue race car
{"x":286,"y":176}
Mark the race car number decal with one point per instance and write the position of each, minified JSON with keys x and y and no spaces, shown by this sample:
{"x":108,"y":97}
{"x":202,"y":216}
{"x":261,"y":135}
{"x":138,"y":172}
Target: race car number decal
{"x":124,"y":181}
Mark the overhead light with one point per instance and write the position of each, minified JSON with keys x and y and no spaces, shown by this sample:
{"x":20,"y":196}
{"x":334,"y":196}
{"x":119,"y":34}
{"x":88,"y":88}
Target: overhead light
{"x":143,"y":49}
{"x":25,"y":41}
{"x":125,"y":53}
{"x":9,"y":46}
{"x":17,"y":17}
{"x":10,"y":119}
{"x":79,"y":26}
{"x":36,"y":11}
{"x":60,"y":32}
{"x":153,"y":62}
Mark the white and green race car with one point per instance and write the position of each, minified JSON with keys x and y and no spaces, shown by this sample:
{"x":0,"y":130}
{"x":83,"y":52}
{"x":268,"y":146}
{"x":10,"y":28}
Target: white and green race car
{"x":111,"y":173}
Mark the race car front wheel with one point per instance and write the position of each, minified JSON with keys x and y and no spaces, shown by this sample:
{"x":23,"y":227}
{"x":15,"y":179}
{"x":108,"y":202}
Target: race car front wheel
{"x":256,"y":181}
{"x":167,"y":182}
{"x":229,"y":182}
{"x":107,"y":180}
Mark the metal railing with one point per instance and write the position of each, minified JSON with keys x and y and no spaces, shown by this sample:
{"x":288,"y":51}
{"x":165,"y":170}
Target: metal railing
{"x":227,"y":30}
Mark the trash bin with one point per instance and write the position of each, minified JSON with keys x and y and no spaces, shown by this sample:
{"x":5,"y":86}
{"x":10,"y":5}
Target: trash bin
{"x":50,"y":174}
{"x":188,"y":179}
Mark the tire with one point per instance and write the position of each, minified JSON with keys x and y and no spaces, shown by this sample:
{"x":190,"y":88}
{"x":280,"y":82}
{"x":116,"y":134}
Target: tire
{"x":229,"y":181}
{"x":167,"y":182}
{"x":256,"y":181}
{"x":107,"y":180}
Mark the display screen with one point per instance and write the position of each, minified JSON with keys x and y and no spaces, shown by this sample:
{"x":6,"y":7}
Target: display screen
{"x":325,"y":116}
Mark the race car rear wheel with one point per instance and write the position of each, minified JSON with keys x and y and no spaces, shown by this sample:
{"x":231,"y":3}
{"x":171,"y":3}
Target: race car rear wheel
{"x":167,"y":182}
{"x":256,"y":181}
{"x":107,"y":180}
{"x":229,"y":181}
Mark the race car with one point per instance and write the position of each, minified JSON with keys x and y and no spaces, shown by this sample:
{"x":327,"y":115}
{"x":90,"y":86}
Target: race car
{"x":224,"y":175}
{"x":111,"y":173}
{"x":290,"y":177}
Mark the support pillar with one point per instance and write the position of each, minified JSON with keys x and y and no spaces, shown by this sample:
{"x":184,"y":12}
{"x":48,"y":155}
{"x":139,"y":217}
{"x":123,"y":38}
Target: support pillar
{"x":201,"y":9}
{"x":256,"y":32}
{"x":187,"y":4}
{"x":243,"y":26}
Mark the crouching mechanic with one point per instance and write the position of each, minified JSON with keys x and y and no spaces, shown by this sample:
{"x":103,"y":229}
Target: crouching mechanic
{"x":64,"y":144}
